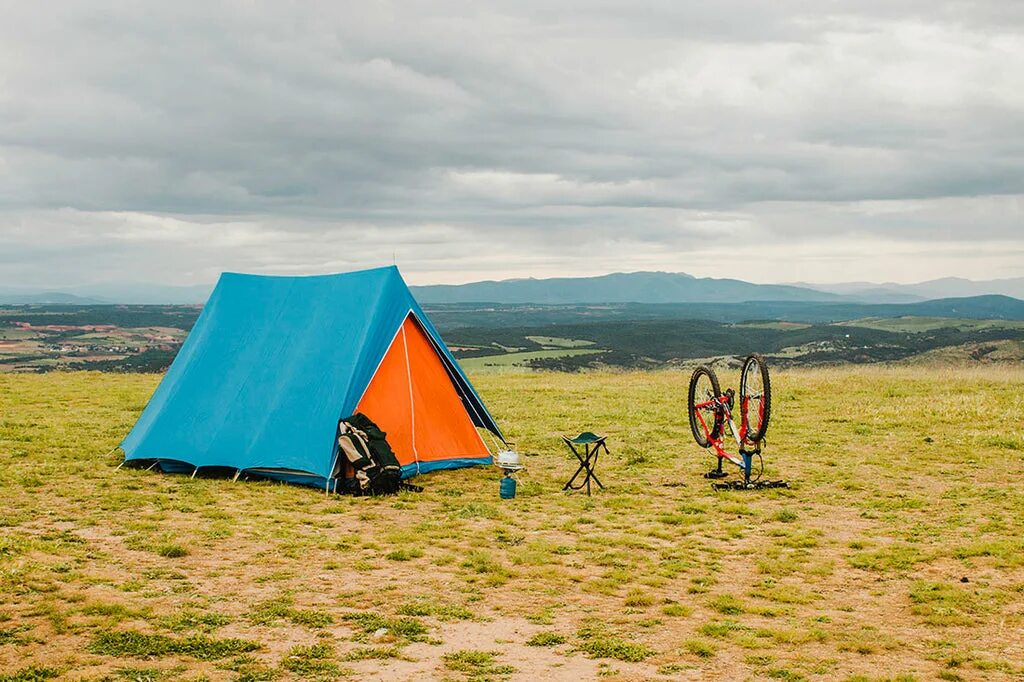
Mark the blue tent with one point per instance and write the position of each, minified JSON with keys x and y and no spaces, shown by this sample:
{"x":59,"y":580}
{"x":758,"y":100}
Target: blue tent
{"x":273,"y":363}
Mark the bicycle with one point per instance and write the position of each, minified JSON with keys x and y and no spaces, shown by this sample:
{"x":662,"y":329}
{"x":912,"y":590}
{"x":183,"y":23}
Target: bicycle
{"x":711,"y":411}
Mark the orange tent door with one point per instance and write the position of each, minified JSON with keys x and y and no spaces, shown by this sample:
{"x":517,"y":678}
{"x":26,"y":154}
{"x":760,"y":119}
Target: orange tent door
{"x":412,"y":398}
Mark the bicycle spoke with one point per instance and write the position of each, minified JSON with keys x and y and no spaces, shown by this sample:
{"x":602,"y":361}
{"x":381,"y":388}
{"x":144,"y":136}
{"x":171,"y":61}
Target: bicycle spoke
{"x":755,"y":396}
{"x":705,"y":411}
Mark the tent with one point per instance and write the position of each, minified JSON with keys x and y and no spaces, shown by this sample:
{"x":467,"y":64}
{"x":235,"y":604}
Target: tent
{"x":273,"y":363}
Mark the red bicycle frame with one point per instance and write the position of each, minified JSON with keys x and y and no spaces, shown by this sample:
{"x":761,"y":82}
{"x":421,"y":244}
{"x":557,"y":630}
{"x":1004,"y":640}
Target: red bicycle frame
{"x":723,"y":404}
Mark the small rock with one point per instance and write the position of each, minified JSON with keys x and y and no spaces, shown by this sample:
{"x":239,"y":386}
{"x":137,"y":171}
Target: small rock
{"x":964,"y":579}
{"x":377,"y":634}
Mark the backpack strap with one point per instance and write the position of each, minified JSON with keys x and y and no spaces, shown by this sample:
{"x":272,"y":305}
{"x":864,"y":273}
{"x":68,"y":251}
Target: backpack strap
{"x":354,"y":445}
{"x":366,"y":448}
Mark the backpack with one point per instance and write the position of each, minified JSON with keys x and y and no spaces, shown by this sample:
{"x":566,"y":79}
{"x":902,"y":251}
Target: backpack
{"x":375,"y":469}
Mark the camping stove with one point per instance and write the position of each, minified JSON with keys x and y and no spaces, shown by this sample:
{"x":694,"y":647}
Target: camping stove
{"x":509,"y":462}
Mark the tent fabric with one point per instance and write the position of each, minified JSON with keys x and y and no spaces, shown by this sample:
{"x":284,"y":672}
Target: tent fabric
{"x":413,"y":400}
{"x":273,"y":363}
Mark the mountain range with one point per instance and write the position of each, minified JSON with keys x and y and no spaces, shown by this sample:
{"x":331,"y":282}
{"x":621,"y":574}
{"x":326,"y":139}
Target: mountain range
{"x":105,"y":294}
{"x":667,"y":287}
{"x":633,"y":287}
{"x":946,"y":287}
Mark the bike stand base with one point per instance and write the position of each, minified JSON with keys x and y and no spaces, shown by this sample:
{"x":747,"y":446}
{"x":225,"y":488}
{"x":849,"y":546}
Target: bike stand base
{"x":752,"y":485}
{"x":716,"y":474}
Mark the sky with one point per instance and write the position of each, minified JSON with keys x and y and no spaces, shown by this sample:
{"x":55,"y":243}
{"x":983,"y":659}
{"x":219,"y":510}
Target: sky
{"x":860,"y":140}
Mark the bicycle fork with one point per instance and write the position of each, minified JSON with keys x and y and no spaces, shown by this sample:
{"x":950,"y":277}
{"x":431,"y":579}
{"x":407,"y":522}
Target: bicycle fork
{"x":748,"y":457}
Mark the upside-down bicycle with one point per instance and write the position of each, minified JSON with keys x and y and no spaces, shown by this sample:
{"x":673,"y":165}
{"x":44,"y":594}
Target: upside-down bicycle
{"x":711,"y":412}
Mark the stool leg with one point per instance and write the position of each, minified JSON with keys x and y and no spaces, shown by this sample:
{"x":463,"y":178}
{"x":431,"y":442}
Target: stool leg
{"x":569,"y":486}
{"x":588,"y":470}
{"x":596,"y":449}
{"x":573,"y":479}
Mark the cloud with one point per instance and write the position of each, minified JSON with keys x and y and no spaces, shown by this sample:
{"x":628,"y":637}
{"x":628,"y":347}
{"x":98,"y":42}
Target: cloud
{"x":174,"y":141}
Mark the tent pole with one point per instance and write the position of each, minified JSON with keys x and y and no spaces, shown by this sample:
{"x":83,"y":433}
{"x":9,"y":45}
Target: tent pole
{"x":195,"y":471}
{"x":155,"y":462}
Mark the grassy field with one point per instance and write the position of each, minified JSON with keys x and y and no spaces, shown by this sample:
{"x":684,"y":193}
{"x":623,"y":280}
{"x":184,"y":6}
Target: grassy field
{"x":559,"y":342}
{"x":924,"y":324}
{"x":897,"y":554}
{"x":518,"y":361}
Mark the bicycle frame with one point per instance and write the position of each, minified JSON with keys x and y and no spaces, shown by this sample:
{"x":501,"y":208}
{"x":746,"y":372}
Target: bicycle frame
{"x":723,"y":404}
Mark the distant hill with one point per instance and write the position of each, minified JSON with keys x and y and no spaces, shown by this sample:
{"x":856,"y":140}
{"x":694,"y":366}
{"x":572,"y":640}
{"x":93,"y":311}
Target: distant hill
{"x":148,"y":294}
{"x":949,"y":287}
{"x":457,"y":315}
{"x":632,"y":287}
{"x":48,"y":298}
{"x":946,"y":287}
{"x":96,"y":294}
{"x":991,"y":307}
{"x":642,"y":288}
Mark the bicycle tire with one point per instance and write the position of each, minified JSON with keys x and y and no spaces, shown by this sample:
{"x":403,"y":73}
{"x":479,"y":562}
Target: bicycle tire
{"x":756,"y":432}
{"x":702,"y":438}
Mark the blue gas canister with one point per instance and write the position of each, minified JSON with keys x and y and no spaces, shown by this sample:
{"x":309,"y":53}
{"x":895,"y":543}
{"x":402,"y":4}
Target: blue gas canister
{"x":507,"y":489}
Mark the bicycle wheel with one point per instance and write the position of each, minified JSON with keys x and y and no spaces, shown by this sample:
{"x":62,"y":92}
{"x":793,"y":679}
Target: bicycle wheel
{"x":755,"y":396}
{"x":703,"y":389}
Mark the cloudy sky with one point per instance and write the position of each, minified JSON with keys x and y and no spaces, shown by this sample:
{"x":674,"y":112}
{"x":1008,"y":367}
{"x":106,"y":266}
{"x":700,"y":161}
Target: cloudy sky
{"x":857,"y":140}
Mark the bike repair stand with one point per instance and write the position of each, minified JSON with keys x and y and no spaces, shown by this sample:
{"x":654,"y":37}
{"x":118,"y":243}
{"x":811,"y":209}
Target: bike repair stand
{"x":717,"y":472}
{"x":746,"y":483}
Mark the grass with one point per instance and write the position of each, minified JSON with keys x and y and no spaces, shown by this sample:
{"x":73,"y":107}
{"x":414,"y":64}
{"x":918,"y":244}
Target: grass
{"x":30,"y":674}
{"x":194,"y":620}
{"x":516,"y":361}
{"x":546,"y":639}
{"x":559,"y":342}
{"x":597,"y":642}
{"x":477,"y":664}
{"x":677,"y":610}
{"x":924,"y":324}
{"x":171,"y":551}
{"x":700,"y":648}
{"x":408,"y":628}
{"x":365,"y":653}
{"x":130,"y":644}
{"x":281,"y":608}
{"x":316,"y":661}
{"x":425,"y":606}
{"x":905,"y":481}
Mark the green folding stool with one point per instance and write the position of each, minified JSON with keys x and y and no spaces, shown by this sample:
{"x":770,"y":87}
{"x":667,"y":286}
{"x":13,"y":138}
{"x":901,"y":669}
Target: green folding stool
{"x":592,"y":444}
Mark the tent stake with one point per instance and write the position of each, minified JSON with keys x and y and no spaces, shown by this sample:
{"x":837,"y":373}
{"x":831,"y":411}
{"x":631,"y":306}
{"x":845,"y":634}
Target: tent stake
{"x":195,"y":471}
{"x":152,"y":465}
{"x":238,"y":473}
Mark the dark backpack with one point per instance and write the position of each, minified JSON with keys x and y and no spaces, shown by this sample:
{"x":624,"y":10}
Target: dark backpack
{"x":371,"y":461}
